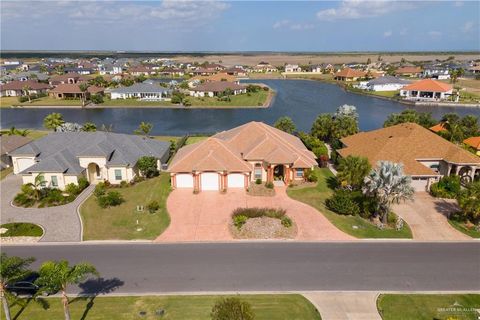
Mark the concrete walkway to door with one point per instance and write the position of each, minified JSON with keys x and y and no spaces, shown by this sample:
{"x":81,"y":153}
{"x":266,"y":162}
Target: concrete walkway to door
{"x":206,"y":216}
{"x":427,"y":217}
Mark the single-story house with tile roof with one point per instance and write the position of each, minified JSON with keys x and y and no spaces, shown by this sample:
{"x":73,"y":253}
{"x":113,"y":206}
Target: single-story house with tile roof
{"x":63,"y":157}
{"x":439,"y":127}
{"x":9,"y":144}
{"x":425,"y":155}
{"x":473,"y":142}
{"x":63,"y":91}
{"x":293,"y":68}
{"x":194,"y":81}
{"x":386,"y":83}
{"x":428,"y":90}
{"x":67,"y":78}
{"x":238,"y":157}
{"x":349,"y":74}
{"x":408,"y":71}
{"x":215,"y":88}
{"x":142,"y":91}
{"x":17,"y":88}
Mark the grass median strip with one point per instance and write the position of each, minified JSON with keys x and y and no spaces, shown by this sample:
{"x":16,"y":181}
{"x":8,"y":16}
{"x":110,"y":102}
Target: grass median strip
{"x":265,"y":307}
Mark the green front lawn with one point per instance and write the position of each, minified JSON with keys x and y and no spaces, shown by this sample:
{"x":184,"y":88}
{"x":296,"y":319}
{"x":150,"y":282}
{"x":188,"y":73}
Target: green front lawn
{"x":254,"y":99}
{"x":44,"y":101}
{"x":316,"y":196}
{"x":195,"y":139}
{"x":460,"y":226}
{"x":120,"y":222}
{"x":20,"y":229}
{"x":265,"y":307}
{"x":428,"y":306}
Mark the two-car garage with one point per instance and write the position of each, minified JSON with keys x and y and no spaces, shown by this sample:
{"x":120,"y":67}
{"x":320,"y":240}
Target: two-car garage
{"x":209,"y":181}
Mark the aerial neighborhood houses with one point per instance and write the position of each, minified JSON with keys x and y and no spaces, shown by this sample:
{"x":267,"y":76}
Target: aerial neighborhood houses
{"x":427,"y":89}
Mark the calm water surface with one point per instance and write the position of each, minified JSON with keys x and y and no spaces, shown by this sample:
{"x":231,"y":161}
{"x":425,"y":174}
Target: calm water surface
{"x":302,"y":100}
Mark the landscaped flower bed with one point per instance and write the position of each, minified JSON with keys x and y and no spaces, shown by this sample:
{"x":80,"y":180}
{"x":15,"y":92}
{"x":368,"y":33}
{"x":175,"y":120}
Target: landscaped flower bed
{"x":262,"y":223}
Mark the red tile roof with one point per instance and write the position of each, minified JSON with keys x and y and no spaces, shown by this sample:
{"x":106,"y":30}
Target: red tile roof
{"x":473,"y":142}
{"x":19,"y":85}
{"x":428,"y":85}
{"x":350,"y":73}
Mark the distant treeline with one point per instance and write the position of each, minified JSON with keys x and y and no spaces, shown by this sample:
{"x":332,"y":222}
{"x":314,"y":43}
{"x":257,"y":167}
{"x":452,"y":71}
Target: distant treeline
{"x":146,"y":54}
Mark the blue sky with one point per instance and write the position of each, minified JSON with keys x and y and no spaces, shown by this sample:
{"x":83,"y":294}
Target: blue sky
{"x":208,"y":25}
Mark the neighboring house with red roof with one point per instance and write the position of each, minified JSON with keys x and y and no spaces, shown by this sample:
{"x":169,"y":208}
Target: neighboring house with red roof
{"x":140,"y":70}
{"x":439,"y":127}
{"x":428,"y":89}
{"x":349,"y":74}
{"x":238,"y":157}
{"x":73,"y":91}
{"x":473,"y":142}
{"x":409,"y":71}
{"x":18,"y":88}
{"x":216,"y":88}
{"x":425,"y":155}
{"x":67,"y":78}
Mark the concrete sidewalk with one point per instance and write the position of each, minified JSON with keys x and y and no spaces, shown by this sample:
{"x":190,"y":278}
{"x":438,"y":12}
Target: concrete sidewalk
{"x":345,"y":305}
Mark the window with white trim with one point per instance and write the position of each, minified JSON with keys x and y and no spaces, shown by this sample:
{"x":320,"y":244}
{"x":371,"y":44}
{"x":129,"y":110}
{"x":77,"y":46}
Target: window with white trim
{"x":298,"y":173}
{"x":258,"y":171}
{"x":118,"y":174}
{"x":54,"y":180}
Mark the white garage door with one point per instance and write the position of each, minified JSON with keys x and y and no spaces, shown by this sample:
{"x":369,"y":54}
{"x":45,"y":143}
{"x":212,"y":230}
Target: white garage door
{"x":184,"y":180}
{"x":209,"y":181}
{"x":236,"y":180}
{"x":23,"y":164}
{"x":419,"y":184}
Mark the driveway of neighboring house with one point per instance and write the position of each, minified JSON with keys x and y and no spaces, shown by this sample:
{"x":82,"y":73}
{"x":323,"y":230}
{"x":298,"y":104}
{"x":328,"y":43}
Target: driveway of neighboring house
{"x":206,"y":216}
{"x":61,"y":223}
{"x":427,"y":217}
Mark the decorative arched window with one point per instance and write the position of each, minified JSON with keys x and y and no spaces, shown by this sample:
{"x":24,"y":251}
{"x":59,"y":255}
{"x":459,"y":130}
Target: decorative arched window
{"x":258,"y":171}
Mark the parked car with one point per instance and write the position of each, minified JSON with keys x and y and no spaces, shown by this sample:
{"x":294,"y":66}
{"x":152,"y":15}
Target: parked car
{"x":26,"y":287}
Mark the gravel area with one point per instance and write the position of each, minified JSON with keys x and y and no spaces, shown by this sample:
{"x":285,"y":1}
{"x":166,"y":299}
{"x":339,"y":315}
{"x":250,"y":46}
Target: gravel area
{"x":259,"y":190}
{"x":264,"y":228}
{"x":6,"y":240}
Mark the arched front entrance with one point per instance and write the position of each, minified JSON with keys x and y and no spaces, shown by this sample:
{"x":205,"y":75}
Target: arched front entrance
{"x":94,"y":174}
{"x":279,"y":172}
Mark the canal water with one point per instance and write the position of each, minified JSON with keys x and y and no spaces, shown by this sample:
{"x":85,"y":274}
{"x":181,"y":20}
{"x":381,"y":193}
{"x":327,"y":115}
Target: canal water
{"x":302,"y":100}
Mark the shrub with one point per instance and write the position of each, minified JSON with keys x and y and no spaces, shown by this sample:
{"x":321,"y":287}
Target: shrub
{"x":269,"y":185}
{"x":447,"y":187}
{"x":256,"y":212}
{"x":27,"y":189}
{"x":123,"y":184}
{"x":187,"y":103}
{"x":153,"y":206}
{"x":22,"y":99}
{"x":82,"y":183}
{"x":342,"y":202}
{"x":286,"y":222}
{"x":53,"y":197}
{"x":96,"y":98}
{"x":111,"y":199}
{"x":23,"y":200}
{"x":72,"y":189}
{"x":148,"y":166}
{"x":258,"y":181}
{"x":310,"y":175}
{"x":100,"y":190}
{"x":232,"y":309}
{"x":239,"y":220}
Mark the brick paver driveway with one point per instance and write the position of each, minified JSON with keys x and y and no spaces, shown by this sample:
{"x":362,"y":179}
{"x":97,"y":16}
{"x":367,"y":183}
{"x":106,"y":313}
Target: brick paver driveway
{"x":60,"y":223}
{"x":427,"y":217}
{"x":205,"y":216}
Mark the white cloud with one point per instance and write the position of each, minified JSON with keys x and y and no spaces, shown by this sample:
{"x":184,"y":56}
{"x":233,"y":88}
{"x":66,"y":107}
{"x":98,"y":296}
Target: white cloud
{"x":468,"y":26}
{"x":287,"y":24}
{"x":434,"y":34}
{"x":357,"y":9}
{"x":387,"y":34}
{"x":458,"y":3}
{"x":403,"y":32}
{"x":280,"y":24}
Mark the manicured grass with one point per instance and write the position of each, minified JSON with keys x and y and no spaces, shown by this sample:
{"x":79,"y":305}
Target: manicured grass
{"x":120,"y":222}
{"x":314,"y":76}
{"x":460,"y":226}
{"x":5,"y":172}
{"x":241,"y":100}
{"x":166,"y":138}
{"x":20,"y":229}
{"x":265,"y":307}
{"x":388,"y":94}
{"x":134,"y":103}
{"x":191,"y":140}
{"x":45,"y":101}
{"x":32,"y":133}
{"x":316,"y":196}
{"x":7,"y":102}
{"x":428,"y":306}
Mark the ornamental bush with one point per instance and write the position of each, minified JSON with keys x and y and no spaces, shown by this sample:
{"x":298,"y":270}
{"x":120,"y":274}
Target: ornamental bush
{"x":72,"y":189}
{"x":286,"y":222}
{"x":342,"y":202}
{"x":239,"y":220}
{"x":153,"y":206}
{"x":100,"y":190}
{"x":269,"y":185}
{"x":447,"y":187}
{"x":111,"y":199}
{"x":256,"y":212}
{"x":232,"y":309}
{"x":310,"y":175}
{"x":258,"y":181}
{"x":83,"y":183}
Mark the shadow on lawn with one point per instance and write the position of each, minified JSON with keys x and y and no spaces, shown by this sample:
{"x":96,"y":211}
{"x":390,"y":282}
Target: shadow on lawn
{"x":23,"y":303}
{"x":94,"y":287}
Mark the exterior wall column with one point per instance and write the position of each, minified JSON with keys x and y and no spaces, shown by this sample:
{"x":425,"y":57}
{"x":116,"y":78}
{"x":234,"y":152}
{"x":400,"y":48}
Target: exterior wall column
{"x":196,"y":181}
{"x":449,"y":168}
{"x":287,"y":174}
{"x":270,"y":173}
{"x":472,"y":172}
{"x":173,"y":179}
{"x":457,"y":170}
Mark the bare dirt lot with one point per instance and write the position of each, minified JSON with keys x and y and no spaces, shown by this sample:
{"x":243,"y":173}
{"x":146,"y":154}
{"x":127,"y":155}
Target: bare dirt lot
{"x":334,"y":58}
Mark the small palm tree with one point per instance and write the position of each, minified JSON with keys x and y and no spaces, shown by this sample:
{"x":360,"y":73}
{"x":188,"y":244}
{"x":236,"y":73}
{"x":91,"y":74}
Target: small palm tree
{"x":12,"y":269}
{"x":388,"y":184}
{"x":53,"y":120}
{"x":89,"y":127}
{"x":352,"y":171}
{"x":38,"y":185}
{"x":26,"y":91}
{"x":57,"y":275}
{"x":144,"y":128}
{"x":83,"y":88}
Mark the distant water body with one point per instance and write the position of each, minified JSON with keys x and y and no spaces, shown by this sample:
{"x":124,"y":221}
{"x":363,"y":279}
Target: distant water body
{"x":302,"y":100}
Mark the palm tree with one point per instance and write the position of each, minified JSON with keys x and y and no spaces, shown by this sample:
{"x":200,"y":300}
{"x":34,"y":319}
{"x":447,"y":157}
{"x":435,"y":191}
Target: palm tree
{"x":26,"y":90}
{"x":83,"y":88}
{"x":53,"y":120}
{"x":353,"y":170}
{"x":38,"y":185}
{"x":89,"y":127}
{"x":144,"y":128}
{"x":57,"y":275}
{"x":11,"y":269}
{"x":388,"y":184}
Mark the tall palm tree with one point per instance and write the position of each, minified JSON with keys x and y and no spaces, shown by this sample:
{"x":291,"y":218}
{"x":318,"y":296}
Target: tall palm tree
{"x":11,"y":269}
{"x":144,"y":128}
{"x":26,"y":91}
{"x":38,"y":185}
{"x":83,"y":88}
{"x":53,"y":120}
{"x":353,"y":170}
{"x":388,"y":184}
{"x":57,"y":275}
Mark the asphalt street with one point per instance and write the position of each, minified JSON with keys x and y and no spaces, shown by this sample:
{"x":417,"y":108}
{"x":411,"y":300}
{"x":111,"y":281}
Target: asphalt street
{"x":380,"y":266}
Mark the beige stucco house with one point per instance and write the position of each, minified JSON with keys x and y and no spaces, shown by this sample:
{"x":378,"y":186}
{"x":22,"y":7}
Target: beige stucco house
{"x":62,"y":158}
{"x":238,"y":157}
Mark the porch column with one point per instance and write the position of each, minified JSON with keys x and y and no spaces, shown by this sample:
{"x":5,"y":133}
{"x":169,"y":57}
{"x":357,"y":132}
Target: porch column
{"x":196,"y":182}
{"x":173,"y":179}
{"x":269,"y":173}
{"x":449,"y":168}
{"x":287,"y":175}
{"x":457,"y":170}
{"x":472,"y":172}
